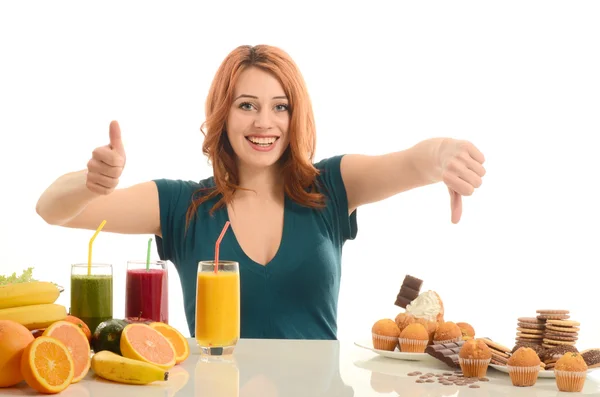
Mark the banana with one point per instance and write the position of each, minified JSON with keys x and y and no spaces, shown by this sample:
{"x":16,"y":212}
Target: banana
{"x":35,"y":316}
{"x":26,"y":294}
{"x":111,"y":366}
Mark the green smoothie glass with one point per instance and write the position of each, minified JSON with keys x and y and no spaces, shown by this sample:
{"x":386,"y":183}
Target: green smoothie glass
{"x":92,"y":293}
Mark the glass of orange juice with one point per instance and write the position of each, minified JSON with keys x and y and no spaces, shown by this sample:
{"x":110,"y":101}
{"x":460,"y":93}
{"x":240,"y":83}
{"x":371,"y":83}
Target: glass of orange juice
{"x":218,"y":307}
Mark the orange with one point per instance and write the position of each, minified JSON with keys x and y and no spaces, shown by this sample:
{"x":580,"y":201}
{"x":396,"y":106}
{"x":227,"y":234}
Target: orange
{"x":14,"y":338}
{"x":77,"y":343}
{"x":142,"y":342}
{"x":77,"y":321}
{"x":47,"y":365}
{"x":180,"y":344}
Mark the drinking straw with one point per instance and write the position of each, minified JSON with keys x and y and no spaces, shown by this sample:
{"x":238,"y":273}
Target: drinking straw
{"x":219,"y":243}
{"x":90,"y":247}
{"x":148,"y":254}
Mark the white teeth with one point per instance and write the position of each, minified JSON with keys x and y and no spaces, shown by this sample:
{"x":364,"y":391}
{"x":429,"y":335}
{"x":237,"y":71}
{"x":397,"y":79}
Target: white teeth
{"x":262,"y":141}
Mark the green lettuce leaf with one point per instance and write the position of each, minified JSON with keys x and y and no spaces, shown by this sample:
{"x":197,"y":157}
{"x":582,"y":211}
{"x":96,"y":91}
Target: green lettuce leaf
{"x":25,"y":277}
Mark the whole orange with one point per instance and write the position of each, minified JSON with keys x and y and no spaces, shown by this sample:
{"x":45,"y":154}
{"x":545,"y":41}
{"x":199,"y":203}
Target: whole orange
{"x":14,"y":338}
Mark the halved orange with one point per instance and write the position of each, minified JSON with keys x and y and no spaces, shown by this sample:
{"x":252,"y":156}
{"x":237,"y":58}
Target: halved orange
{"x":142,"y":342}
{"x":180,"y":344}
{"x":47,"y":366}
{"x":77,"y":343}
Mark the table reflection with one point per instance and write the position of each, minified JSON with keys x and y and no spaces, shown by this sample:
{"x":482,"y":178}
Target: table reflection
{"x":271,"y":373}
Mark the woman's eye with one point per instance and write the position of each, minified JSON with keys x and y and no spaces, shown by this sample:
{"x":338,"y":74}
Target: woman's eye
{"x":282,"y":108}
{"x":245,"y":106}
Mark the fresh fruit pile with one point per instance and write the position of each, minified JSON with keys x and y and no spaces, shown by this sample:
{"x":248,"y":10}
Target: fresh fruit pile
{"x":50,"y":350}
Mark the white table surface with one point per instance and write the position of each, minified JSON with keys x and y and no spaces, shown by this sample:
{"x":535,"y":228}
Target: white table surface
{"x":287,"y":368}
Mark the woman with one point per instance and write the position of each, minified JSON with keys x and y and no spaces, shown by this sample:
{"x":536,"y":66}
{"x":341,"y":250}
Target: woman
{"x":289,"y":217}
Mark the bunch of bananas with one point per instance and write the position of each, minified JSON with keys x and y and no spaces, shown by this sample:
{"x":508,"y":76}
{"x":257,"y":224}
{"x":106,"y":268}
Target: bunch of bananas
{"x":31,"y":304}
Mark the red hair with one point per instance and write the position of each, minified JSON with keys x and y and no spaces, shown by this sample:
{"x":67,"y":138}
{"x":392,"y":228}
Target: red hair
{"x":296,"y":161}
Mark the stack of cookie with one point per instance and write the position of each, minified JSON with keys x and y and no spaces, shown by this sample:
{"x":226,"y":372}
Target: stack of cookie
{"x":560,"y":332}
{"x":530,"y":331}
{"x":500,"y":353}
{"x":558,"y":329}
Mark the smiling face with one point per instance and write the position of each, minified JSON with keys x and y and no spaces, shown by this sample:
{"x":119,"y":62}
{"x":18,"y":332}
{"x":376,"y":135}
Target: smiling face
{"x":258,"y":120}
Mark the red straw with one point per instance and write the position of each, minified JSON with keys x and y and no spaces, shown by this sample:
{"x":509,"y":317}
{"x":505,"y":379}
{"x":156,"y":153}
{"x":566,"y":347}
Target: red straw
{"x":219,"y":243}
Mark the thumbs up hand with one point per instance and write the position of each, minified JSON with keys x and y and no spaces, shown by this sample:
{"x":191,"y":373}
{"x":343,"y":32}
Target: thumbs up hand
{"x":107,"y":163}
{"x":462,"y":172}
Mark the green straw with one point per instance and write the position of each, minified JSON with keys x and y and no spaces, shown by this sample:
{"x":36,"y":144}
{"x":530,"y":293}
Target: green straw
{"x":148,"y":254}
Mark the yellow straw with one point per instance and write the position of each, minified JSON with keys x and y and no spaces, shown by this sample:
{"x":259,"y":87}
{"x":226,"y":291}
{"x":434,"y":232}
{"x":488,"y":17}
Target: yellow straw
{"x":90,"y":247}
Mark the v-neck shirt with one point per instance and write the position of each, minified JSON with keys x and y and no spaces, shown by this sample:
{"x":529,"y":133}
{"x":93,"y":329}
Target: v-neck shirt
{"x":295,"y":295}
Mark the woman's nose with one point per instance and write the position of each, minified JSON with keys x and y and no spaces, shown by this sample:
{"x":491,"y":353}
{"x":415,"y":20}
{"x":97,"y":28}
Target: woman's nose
{"x":263,"y":120}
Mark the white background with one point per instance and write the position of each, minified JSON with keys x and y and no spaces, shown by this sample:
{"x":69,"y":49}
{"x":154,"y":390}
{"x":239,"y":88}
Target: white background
{"x":520,"y":79}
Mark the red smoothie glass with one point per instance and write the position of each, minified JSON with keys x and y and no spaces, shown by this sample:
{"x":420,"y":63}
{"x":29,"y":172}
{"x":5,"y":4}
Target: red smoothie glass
{"x":146,"y":296}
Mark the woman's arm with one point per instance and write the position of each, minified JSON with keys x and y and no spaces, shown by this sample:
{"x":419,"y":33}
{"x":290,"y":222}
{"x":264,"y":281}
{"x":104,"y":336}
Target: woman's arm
{"x":459,"y":164}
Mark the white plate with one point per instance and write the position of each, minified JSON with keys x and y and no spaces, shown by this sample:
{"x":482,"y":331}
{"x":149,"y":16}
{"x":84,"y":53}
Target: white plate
{"x":541,"y":374}
{"x":398,"y":355}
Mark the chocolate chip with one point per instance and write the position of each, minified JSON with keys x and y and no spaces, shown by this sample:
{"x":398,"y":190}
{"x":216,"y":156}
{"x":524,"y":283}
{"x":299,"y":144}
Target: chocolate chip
{"x":484,"y":379}
{"x":429,"y":381}
{"x":452,"y":377}
{"x":412,"y":374}
{"x":447,"y":383}
{"x":420,"y":381}
{"x":417,"y":372}
{"x":474,"y":386}
{"x":449,"y":373}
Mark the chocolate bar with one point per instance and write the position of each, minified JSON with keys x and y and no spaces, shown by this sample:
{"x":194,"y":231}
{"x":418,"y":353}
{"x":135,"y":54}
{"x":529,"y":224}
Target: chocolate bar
{"x":446,"y":353}
{"x":409,"y":290}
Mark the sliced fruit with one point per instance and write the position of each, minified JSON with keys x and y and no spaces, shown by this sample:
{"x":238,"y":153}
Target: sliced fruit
{"x":29,"y":293}
{"x":77,"y":344}
{"x":35,"y":316}
{"x":47,"y":365}
{"x":83,"y":326}
{"x":180,"y":344}
{"x":111,"y":366}
{"x":142,"y":342}
{"x":14,"y":338}
{"x":107,"y":336}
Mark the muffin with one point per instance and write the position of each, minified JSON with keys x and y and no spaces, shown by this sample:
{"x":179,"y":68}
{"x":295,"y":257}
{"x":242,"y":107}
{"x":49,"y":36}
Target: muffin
{"x":524,"y":367}
{"x":467,"y":330}
{"x":414,"y":338}
{"x":385,"y":334}
{"x":447,"y":332}
{"x":427,"y":305}
{"x":430,"y":326}
{"x":570,"y":371}
{"x":404,"y":319}
{"x":474,"y":357}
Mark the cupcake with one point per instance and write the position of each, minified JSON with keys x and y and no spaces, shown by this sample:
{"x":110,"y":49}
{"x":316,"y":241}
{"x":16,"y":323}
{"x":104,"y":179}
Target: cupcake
{"x":570,"y":371}
{"x":447,"y":332}
{"x":385,"y":334}
{"x":430,"y":326}
{"x":467,"y":330}
{"x":474,"y":357}
{"x":403,"y":320}
{"x":427,"y":305}
{"x":524,"y":366}
{"x":414,"y":339}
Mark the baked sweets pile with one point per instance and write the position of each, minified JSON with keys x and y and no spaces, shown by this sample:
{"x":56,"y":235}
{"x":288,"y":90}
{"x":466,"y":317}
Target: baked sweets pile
{"x":421,"y":324}
{"x":545,"y":341}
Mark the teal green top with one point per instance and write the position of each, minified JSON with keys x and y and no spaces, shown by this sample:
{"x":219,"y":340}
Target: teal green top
{"x":295,"y":295}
